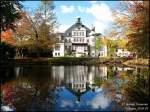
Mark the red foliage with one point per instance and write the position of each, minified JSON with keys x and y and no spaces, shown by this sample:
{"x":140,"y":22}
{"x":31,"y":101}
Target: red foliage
{"x":136,"y":7}
{"x":7,"y":37}
{"x":7,"y":92}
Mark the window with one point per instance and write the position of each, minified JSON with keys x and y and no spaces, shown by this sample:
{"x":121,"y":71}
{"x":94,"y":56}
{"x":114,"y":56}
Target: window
{"x":65,"y":47}
{"x":70,"y":47}
{"x":57,"y":47}
{"x":58,"y":54}
{"x":85,"y":48}
{"x":82,"y":33}
{"x":87,"y":40}
{"x":82,"y":85}
{"x":55,"y":54}
{"x":74,"y":47}
{"x":80,"y":39}
{"x":68,"y":40}
{"x":65,"y":40}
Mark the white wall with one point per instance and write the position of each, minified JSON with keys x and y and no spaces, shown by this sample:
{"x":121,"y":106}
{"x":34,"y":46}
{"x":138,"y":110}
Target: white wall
{"x":122,"y":53}
{"x":81,"y":30}
{"x":59,"y":52}
{"x":103,"y":52}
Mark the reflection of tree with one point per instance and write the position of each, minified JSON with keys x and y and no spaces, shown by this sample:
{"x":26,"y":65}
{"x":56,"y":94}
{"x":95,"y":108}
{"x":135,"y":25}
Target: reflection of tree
{"x":138,"y":86}
{"x":7,"y":73}
{"x":128,"y":87}
{"x":110,"y":73}
{"x":33,"y":89}
{"x":41,"y":80}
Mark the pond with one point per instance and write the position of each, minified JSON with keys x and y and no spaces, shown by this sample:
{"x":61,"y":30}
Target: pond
{"x":74,"y":88}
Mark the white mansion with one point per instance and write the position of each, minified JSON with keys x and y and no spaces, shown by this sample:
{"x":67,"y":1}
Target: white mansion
{"x":77,"y":41}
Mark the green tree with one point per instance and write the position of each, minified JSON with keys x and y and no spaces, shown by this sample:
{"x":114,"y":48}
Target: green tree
{"x":10,"y":12}
{"x":112,"y":45}
{"x":98,"y":43}
{"x":122,"y":43}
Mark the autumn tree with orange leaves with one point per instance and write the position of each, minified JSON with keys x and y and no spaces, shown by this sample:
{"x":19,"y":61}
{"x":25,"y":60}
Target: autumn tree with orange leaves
{"x":37,"y":32}
{"x":10,"y":12}
{"x":133,"y":21}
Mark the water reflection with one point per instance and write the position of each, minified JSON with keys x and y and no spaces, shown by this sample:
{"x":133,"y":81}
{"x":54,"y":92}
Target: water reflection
{"x":48,"y":88}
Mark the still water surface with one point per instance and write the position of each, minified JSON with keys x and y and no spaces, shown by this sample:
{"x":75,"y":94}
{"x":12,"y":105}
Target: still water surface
{"x":77,"y":88}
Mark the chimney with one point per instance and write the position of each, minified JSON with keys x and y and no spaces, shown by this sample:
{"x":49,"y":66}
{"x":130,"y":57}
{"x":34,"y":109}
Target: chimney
{"x":78,"y":20}
{"x":93,"y":28}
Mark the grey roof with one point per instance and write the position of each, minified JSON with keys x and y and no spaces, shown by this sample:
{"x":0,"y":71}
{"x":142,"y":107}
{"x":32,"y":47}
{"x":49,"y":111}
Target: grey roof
{"x":69,"y":30}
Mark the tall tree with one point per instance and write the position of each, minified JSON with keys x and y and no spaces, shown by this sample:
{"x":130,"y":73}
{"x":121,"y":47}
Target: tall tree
{"x":133,"y":21}
{"x":39,"y":28}
{"x":47,"y":23}
{"x":46,"y":9}
{"x":10,"y":12}
{"x":24,"y":29}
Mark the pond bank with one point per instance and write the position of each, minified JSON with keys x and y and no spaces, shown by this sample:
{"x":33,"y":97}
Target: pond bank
{"x":137,"y":62}
{"x":66,"y":61}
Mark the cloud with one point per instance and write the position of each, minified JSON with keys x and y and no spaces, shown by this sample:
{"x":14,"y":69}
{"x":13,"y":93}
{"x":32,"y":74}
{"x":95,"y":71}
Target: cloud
{"x":62,"y":28}
{"x":81,"y":9}
{"x":66,"y":103}
{"x":100,"y":101}
{"x":102,"y":16}
{"x":99,"y":26}
{"x":93,"y":2}
{"x":67,"y":9}
{"x":101,"y":12}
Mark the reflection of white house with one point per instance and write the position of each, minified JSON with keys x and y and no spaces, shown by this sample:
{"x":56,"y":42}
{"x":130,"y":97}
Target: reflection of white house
{"x":58,"y":73}
{"x":78,"y":40}
{"x":78,"y":77}
{"x":122,"y":68}
{"x":103,"y":73}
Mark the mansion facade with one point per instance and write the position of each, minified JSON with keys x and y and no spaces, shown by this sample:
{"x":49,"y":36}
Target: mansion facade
{"x":78,"y":41}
